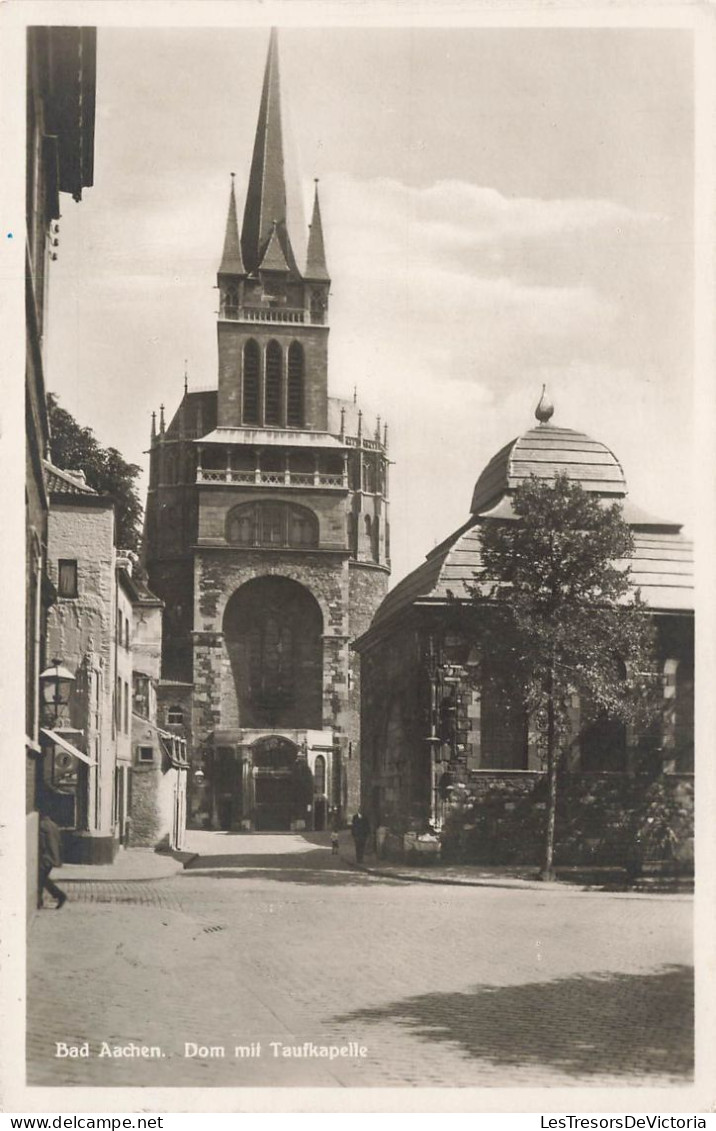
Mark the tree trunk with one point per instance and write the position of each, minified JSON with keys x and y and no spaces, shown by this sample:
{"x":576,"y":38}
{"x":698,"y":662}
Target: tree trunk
{"x":547,"y":872}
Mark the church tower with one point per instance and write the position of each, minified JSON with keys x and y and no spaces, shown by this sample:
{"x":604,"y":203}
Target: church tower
{"x":266,"y":529}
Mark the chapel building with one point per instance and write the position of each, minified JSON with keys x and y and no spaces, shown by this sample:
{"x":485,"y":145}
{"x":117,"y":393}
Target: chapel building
{"x":266,"y":531}
{"x":443,"y":750}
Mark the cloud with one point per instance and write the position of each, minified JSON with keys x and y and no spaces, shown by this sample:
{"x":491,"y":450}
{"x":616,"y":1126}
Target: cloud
{"x":450,"y":305}
{"x":411,"y":266}
{"x":453,"y":215}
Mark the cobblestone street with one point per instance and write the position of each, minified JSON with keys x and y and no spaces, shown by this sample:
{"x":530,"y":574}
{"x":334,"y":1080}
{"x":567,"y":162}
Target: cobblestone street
{"x":443,"y":986}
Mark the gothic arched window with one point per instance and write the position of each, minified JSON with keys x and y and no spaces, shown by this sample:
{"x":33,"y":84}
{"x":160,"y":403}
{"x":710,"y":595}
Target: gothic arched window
{"x":273,"y":630}
{"x":252,"y":382}
{"x":274,"y":384}
{"x":294,"y":408}
{"x":272,"y":524}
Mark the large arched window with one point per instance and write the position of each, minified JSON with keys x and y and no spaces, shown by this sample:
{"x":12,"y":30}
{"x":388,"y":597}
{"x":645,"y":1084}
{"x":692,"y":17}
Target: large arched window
{"x":273,"y":631}
{"x":272,"y":524}
{"x":294,"y":405}
{"x":252,"y":383}
{"x":274,"y":384}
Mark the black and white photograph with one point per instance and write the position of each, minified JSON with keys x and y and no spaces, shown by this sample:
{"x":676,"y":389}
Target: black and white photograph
{"x":364,"y":464}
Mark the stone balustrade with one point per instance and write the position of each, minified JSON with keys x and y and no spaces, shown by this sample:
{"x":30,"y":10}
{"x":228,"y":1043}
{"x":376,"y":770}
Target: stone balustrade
{"x":260,"y":478}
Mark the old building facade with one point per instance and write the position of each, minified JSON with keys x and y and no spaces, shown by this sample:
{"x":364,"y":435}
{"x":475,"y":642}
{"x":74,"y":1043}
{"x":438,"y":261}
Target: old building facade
{"x":59,"y":159}
{"x":440,"y":749}
{"x":79,"y":788}
{"x":111,"y":775}
{"x":267,"y":531}
{"x":160,"y":765}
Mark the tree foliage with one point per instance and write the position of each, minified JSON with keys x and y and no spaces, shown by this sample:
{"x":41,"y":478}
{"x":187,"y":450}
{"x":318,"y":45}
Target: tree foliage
{"x":566,"y":616}
{"x":75,"y":448}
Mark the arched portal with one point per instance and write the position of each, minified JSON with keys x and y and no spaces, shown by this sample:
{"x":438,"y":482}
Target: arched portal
{"x":276,"y":800}
{"x":273,"y":631}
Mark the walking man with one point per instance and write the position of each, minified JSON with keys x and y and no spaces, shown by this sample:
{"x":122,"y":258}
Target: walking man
{"x":360,"y":830}
{"x":50,"y":857}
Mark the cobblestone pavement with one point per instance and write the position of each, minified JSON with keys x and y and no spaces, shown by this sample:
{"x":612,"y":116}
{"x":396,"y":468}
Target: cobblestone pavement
{"x":443,"y":986}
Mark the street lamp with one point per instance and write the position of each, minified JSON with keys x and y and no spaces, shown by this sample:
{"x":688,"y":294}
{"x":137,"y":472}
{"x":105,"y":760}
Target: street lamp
{"x":56,"y":687}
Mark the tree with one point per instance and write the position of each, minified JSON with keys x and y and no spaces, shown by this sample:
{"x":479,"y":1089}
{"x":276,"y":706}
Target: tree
{"x":565,"y":617}
{"x":75,"y":448}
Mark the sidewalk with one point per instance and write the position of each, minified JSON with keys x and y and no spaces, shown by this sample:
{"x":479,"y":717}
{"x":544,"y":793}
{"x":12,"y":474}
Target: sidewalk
{"x":144,"y":864}
{"x":129,"y":864}
{"x":515,"y":876}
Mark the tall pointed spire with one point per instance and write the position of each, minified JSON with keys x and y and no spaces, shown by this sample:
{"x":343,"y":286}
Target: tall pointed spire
{"x":266,"y":194}
{"x":231,"y":261}
{"x":316,"y":268}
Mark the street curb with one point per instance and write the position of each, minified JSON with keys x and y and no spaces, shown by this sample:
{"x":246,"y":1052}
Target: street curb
{"x":515,"y":885}
{"x":519,"y":885}
{"x":153,"y":877}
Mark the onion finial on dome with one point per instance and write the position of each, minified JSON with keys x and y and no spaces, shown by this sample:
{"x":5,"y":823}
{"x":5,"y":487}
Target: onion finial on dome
{"x":545,"y":408}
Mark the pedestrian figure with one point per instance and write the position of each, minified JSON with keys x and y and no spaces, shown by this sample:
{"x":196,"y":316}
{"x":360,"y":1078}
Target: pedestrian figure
{"x":360,"y":830}
{"x":50,"y":857}
{"x":334,"y":842}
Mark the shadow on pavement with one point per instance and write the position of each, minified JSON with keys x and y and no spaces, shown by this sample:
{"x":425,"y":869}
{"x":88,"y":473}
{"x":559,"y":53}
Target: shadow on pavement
{"x":616,"y":1024}
{"x":287,"y":873}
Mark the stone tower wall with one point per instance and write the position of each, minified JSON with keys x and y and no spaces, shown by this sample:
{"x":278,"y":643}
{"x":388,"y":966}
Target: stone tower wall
{"x":231,"y":339}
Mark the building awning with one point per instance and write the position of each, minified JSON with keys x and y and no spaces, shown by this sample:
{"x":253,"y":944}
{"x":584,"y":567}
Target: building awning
{"x":174,"y":748}
{"x":63,"y":742}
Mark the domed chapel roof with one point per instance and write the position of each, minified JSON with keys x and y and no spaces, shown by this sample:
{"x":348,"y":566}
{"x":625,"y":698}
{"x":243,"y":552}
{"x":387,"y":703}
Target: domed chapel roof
{"x":662,"y":565}
{"x":547,"y":451}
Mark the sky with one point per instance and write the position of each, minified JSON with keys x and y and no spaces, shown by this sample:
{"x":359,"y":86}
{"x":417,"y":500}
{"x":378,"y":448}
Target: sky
{"x":502,"y":208}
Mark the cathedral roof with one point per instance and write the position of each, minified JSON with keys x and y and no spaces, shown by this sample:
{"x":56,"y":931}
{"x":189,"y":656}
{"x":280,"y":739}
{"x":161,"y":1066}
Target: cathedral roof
{"x":266,"y":193}
{"x":231,"y":261}
{"x":195,"y":416}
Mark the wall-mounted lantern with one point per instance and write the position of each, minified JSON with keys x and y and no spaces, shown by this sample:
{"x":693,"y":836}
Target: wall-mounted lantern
{"x":55,"y":688}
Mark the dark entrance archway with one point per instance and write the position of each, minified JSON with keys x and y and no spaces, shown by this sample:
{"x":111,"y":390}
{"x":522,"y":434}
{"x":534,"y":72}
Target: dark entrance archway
{"x":273,"y":631}
{"x":275,"y":804}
